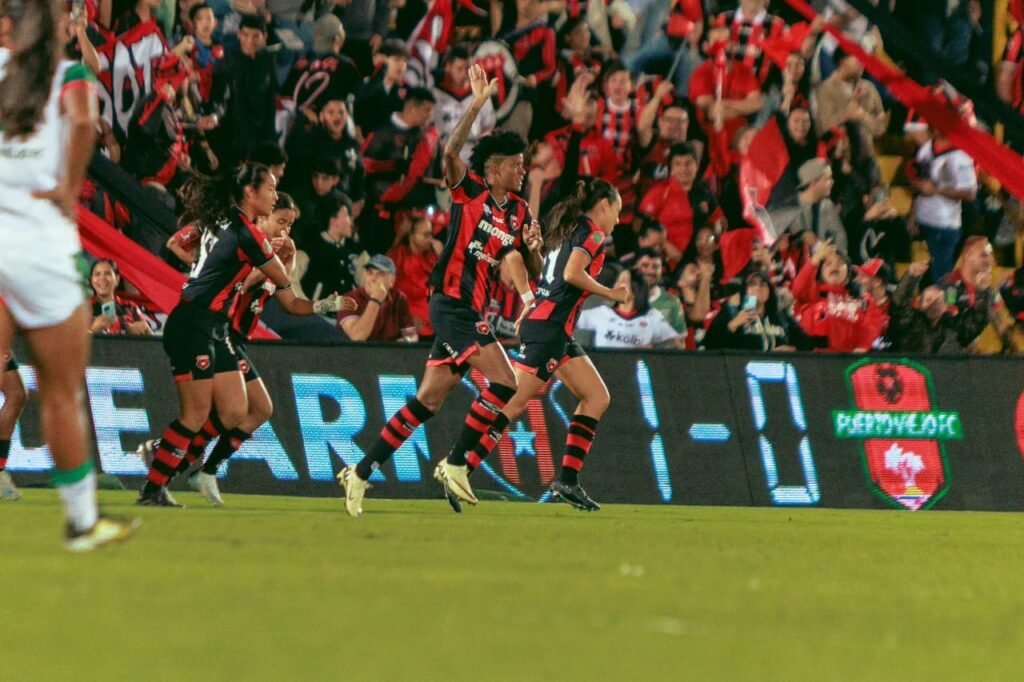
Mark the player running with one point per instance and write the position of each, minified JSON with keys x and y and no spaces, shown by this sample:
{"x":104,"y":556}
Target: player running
{"x":489,"y":224}
{"x":48,"y":116}
{"x":574,"y":256}
{"x":196,"y":337}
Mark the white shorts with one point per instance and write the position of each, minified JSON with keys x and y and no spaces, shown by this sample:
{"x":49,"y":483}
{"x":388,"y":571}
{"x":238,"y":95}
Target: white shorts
{"x":41,"y":282}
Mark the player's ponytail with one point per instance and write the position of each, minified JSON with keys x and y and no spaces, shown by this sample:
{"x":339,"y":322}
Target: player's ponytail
{"x":208,"y":198}
{"x":35,"y":52}
{"x":565,"y":215}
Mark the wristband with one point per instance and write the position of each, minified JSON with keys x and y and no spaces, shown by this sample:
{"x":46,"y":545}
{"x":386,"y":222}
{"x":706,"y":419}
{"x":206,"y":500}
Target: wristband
{"x":377,"y":301}
{"x":527,"y":298}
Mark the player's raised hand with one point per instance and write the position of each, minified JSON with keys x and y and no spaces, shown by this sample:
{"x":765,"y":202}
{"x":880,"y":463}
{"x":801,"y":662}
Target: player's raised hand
{"x":482,"y":88}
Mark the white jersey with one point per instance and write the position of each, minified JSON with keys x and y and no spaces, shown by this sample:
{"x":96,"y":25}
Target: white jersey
{"x":36,"y":162}
{"x":948,"y":169}
{"x":612,"y":330}
{"x":40,"y":280}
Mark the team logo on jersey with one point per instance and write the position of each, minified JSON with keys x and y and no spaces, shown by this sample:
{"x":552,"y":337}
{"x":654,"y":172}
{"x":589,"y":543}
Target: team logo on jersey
{"x":597,"y":237}
{"x":203,"y":362}
{"x":243,"y":366}
{"x":552,"y":365}
{"x":483,"y":327}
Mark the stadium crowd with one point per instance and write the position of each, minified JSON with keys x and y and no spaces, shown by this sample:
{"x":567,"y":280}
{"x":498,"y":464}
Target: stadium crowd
{"x":350,"y":103}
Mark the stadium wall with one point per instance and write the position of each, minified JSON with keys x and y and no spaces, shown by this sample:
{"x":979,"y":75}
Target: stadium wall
{"x":707,"y":429}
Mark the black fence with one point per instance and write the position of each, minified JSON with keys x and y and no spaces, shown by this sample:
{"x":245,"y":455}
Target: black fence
{"x":782,"y":430}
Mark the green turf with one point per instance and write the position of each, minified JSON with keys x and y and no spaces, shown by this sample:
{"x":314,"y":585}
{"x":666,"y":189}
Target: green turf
{"x":290,"y":589}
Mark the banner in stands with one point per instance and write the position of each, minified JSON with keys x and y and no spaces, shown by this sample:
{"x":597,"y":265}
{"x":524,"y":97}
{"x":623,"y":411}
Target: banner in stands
{"x":780,"y":430}
{"x":126,"y":72}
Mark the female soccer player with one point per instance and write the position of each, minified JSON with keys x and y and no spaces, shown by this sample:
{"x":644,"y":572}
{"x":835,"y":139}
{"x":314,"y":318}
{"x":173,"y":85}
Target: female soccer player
{"x":203,"y":359}
{"x":489,"y":224}
{"x":574,"y":255}
{"x":48,"y":117}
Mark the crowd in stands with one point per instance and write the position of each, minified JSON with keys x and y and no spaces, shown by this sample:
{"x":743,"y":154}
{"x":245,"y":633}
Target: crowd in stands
{"x":878,"y":234}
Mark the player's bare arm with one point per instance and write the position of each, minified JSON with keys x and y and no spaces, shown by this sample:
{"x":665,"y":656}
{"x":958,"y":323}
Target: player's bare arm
{"x":454,"y":167}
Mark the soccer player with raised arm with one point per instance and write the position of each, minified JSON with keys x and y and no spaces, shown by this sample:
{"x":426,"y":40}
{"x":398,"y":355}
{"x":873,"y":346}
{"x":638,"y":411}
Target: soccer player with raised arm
{"x":490,"y":223}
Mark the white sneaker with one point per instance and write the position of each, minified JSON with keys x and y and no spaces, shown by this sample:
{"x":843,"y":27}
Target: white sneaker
{"x":457,"y":478}
{"x":208,"y":488}
{"x":8,"y":491}
{"x":106,"y":531}
{"x":355,"y":490}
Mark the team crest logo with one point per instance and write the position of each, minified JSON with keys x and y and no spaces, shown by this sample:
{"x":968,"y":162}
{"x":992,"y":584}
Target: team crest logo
{"x":552,"y":365}
{"x":597,"y":237}
{"x":243,"y":366}
{"x":483,"y":327}
{"x":903,"y":433}
{"x":203,"y":362}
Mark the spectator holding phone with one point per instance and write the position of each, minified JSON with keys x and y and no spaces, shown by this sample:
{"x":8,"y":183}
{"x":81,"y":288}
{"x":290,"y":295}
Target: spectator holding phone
{"x":753,"y":320}
{"x":113,"y":315}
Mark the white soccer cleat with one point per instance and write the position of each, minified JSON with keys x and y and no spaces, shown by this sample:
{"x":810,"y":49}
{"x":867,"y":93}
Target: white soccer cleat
{"x":147,"y":451}
{"x":8,"y":491}
{"x":106,"y":531}
{"x":355,"y":490}
{"x":457,"y":479}
{"x":207,"y":484}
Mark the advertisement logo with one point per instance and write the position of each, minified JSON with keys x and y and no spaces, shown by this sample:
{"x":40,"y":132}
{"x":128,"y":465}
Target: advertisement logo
{"x":904,"y":456}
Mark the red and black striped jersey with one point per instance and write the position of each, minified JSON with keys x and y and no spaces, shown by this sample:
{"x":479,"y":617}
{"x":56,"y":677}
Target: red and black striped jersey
{"x":534,"y":49}
{"x":226,"y":256}
{"x":246,"y":315}
{"x":747,"y":38}
{"x":557,"y":300}
{"x":480,"y":234}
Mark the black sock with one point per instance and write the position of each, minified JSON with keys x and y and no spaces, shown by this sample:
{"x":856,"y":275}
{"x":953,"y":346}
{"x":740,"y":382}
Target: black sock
{"x":5,"y":450}
{"x":225,"y":447}
{"x":482,"y":414}
{"x":577,"y":445}
{"x":395,"y":432}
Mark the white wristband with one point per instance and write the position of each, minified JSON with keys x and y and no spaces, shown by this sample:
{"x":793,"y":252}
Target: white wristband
{"x":527,"y":297}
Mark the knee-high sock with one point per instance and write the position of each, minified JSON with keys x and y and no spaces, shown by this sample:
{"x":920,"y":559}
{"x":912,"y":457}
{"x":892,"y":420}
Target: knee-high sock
{"x":487,"y":442}
{"x":481,"y":416}
{"x":211,"y":429}
{"x":173,"y":445}
{"x":225,"y":447}
{"x":395,"y":432}
{"x":5,"y":449}
{"x":577,"y":444}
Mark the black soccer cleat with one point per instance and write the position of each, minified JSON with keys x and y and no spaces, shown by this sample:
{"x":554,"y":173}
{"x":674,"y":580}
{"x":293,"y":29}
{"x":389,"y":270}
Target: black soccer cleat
{"x":574,"y":495}
{"x":159,"y":498}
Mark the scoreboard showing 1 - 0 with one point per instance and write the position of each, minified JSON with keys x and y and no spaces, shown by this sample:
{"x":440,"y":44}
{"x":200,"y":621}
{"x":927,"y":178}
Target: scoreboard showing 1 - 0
{"x":785,"y":430}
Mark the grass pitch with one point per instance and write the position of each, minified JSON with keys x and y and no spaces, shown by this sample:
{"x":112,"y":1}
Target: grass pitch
{"x":291,"y":589}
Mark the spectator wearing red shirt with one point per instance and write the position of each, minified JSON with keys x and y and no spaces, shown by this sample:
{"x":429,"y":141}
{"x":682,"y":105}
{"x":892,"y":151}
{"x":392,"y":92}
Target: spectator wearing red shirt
{"x":1010,"y":81}
{"x":113,"y":315}
{"x":415,"y":257}
{"x":657,"y":132}
{"x":828,"y":310}
{"x":748,"y":28}
{"x":725,"y":91}
{"x":382,"y":312}
{"x":681,"y":203}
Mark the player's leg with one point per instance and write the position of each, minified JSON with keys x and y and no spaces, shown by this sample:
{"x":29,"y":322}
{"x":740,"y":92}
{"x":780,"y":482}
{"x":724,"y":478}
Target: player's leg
{"x":581,"y":377}
{"x":15,"y":396}
{"x":491,"y":361}
{"x":438,"y":381}
{"x":61,"y":352}
{"x":261,"y":409}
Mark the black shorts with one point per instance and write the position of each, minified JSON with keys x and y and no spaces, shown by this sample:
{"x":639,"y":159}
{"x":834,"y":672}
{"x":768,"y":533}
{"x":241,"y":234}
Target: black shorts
{"x":197,"y":343}
{"x":545,"y":347}
{"x":245,"y":365}
{"x":459,"y":332}
{"x":12,"y":363}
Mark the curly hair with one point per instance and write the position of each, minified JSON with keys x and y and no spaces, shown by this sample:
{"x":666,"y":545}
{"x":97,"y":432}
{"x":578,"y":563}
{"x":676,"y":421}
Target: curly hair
{"x":35,"y":53}
{"x":505,"y":143}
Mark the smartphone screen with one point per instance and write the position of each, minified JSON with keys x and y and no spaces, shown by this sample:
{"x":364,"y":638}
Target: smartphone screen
{"x":108,"y":310}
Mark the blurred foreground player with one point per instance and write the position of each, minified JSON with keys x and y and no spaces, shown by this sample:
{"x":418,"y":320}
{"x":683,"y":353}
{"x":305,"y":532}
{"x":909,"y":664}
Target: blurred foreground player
{"x":574,"y":255}
{"x":489,"y":224}
{"x":48,"y":115}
